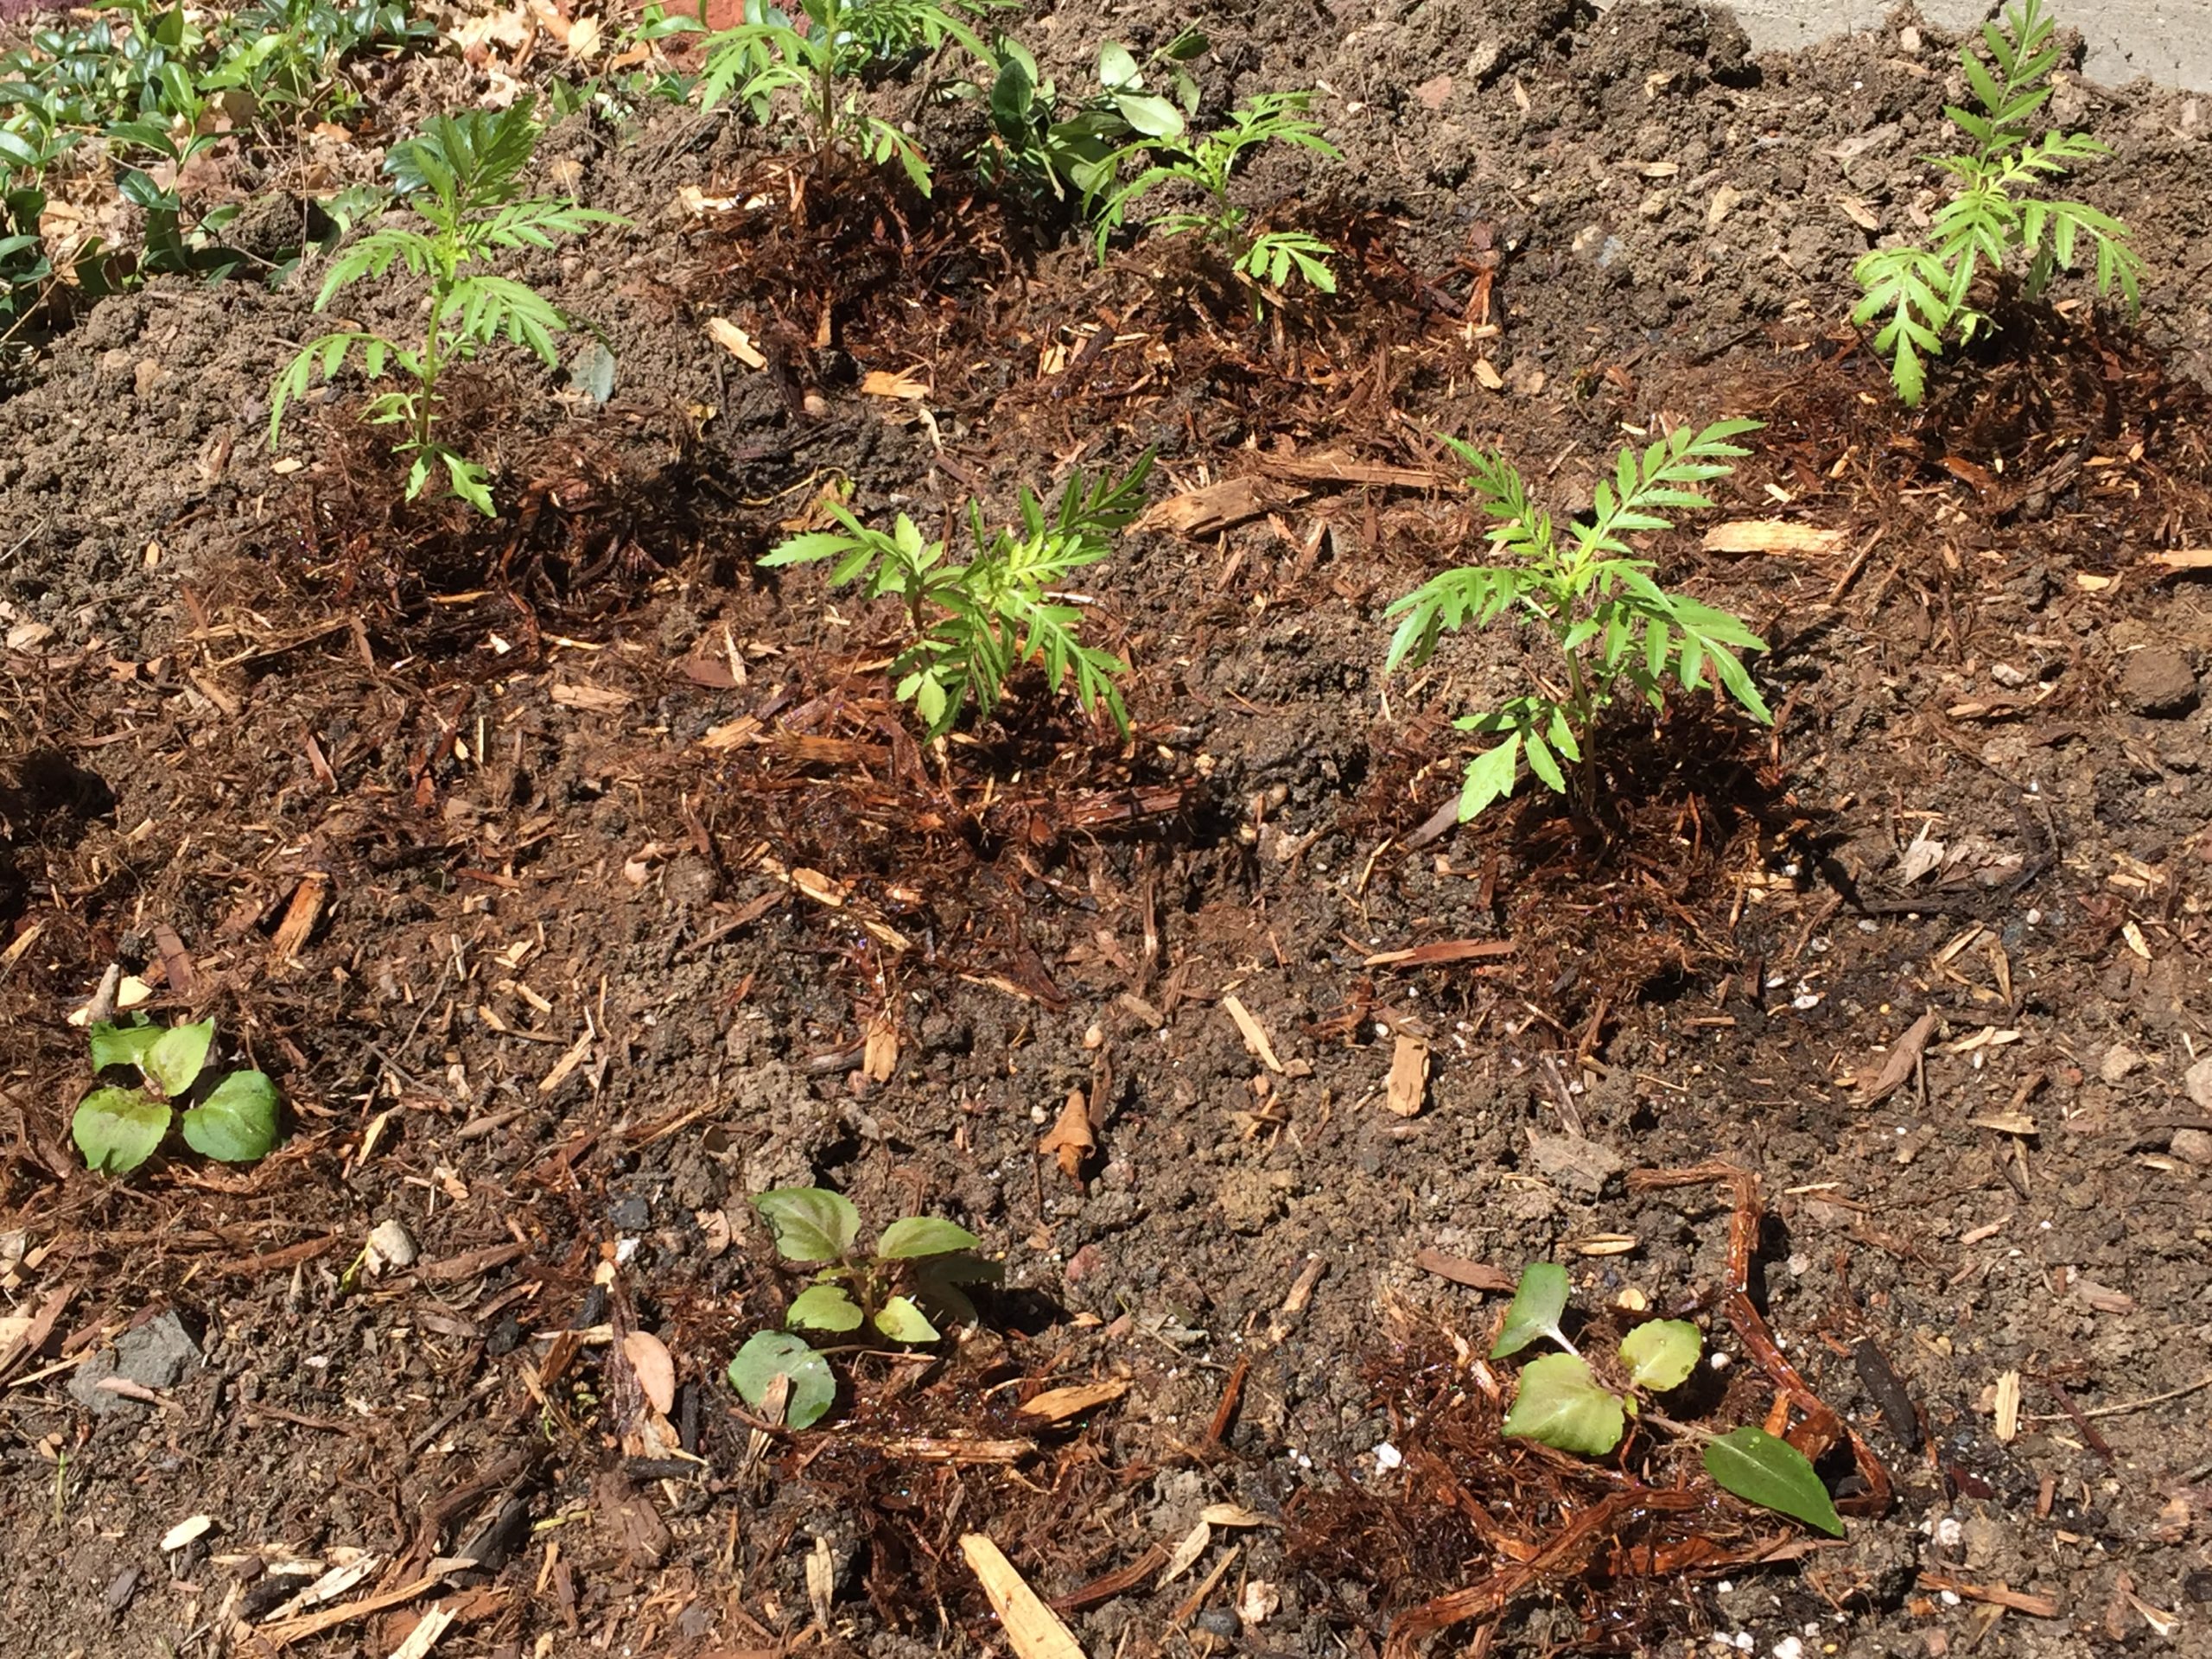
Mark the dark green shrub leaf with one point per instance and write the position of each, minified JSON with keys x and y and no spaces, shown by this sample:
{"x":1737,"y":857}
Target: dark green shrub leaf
{"x":771,"y":1354}
{"x":1773,"y":1474}
{"x":1538,"y":1301}
{"x":237,"y":1123}
{"x":1661,"y":1355}
{"x":118,"y":1130}
{"x":925,"y":1236}
{"x":1561,"y":1404}
{"x":809,"y":1223}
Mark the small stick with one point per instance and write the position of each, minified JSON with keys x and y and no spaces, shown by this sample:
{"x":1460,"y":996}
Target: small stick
{"x":1996,"y":1595}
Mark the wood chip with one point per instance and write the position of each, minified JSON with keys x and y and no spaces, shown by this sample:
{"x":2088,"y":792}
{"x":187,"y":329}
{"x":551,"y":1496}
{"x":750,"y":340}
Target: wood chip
{"x":1218,"y":506}
{"x":1476,"y":1275}
{"x":1408,"y":1084}
{"x":1072,"y":1140}
{"x":880,"y":1050}
{"x":883,"y":383}
{"x":2008,"y":1406}
{"x":593,"y":699}
{"x":1442,"y":950}
{"x":1058,"y":1405}
{"x":656,"y":1371}
{"x":2184,"y":558}
{"x":299,"y":919}
{"x":1032,"y":1628}
{"x":1255,"y":1037}
{"x":1904,"y":1055}
{"x":1772,"y":536}
{"x":735,"y":340}
{"x":578,"y":1052}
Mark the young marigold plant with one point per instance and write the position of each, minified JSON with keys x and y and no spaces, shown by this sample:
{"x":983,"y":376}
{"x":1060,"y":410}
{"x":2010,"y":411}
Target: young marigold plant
{"x":822,"y":51}
{"x":1923,"y":290}
{"x":970,"y":625}
{"x":1207,"y":161}
{"x":464,"y":173}
{"x":1587,"y":590}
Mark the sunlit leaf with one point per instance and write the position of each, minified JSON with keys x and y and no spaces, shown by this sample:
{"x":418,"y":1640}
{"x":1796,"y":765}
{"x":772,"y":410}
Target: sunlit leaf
{"x":1773,"y":1474}
{"x":1560,"y":1404}
{"x":771,"y":1354}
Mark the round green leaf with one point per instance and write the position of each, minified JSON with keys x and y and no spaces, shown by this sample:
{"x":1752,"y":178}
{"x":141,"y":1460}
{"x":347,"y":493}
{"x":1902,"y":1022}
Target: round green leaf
{"x":1538,"y":1301}
{"x":771,"y":1354}
{"x":1661,"y":1355}
{"x":173,"y":1059}
{"x":1561,"y":1404}
{"x":1773,"y":1474}
{"x":237,"y":1123}
{"x":823,"y":1307}
{"x":901,"y":1321}
{"x":1154,"y":117}
{"x":810,"y":1225}
{"x":923,"y":1236}
{"x":118,"y":1130}
{"x":122,"y":1044}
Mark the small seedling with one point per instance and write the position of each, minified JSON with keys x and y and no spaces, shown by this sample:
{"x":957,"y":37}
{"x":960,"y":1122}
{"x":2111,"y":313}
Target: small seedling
{"x":1208,"y":162}
{"x":824,"y":63}
{"x":1560,"y":1403}
{"x":1596,"y":601}
{"x":463,"y":176}
{"x":918,"y":1266}
{"x":970,"y":625}
{"x":117,"y":1129}
{"x":1924,"y":290}
{"x":1058,"y":149}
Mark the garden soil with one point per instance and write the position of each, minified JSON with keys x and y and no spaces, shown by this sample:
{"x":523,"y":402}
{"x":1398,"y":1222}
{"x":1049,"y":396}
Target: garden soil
{"x":578,"y":879}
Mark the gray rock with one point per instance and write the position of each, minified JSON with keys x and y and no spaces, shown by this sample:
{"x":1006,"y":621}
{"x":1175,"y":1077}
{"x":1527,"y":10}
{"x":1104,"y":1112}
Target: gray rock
{"x":1580,"y":1167}
{"x":2119,"y":1061}
{"x":2192,"y":1147}
{"x":2198,"y":1081}
{"x":2158,"y":680}
{"x":154,"y":1356}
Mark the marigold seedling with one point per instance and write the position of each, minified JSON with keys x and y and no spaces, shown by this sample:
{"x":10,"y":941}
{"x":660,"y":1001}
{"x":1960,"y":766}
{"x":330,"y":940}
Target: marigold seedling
{"x":1587,"y":588}
{"x":463,"y":175}
{"x":1208,"y":162}
{"x":970,"y":625}
{"x":1924,"y":291}
{"x":824,"y":62}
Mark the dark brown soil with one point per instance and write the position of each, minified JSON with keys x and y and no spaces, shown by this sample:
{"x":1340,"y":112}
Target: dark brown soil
{"x":598,"y":929}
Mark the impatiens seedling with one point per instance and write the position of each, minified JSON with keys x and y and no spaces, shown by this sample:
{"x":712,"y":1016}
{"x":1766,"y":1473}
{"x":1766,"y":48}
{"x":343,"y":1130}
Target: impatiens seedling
{"x":919,"y":1267}
{"x":1560,"y":1403}
{"x":119,"y":1128}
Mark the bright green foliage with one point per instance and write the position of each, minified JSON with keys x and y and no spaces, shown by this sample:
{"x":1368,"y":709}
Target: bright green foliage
{"x":822,"y":52}
{"x":970,"y":625}
{"x":920,"y":1261}
{"x":1773,"y":1474}
{"x":1539,"y":1302}
{"x":810,"y":1386}
{"x":1559,"y":1401}
{"x":1057,"y":146}
{"x":156,"y":83}
{"x":117,"y":1129}
{"x":621,"y":94}
{"x":1561,"y":1404}
{"x":1661,"y":1354}
{"x":1596,"y":600}
{"x":1923,"y":291}
{"x":1207,"y":161}
{"x":463,"y":176}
